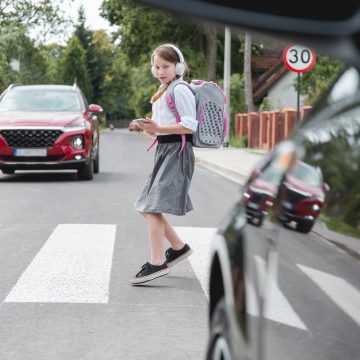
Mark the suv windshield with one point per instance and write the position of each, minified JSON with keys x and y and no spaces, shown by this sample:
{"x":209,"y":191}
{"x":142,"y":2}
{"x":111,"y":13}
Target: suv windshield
{"x":40,"y":100}
{"x":307,"y":174}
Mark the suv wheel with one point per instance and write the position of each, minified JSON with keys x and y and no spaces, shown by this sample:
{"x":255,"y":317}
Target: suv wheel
{"x":219,"y":334}
{"x":86,"y":172}
{"x":97,"y":161}
{"x":304,"y":226}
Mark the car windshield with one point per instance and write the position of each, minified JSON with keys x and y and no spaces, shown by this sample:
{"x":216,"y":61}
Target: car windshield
{"x":307,"y":174}
{"x":40,"y":100}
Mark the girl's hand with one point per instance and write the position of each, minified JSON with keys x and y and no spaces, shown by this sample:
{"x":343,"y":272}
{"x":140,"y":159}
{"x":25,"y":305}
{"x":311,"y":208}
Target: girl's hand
{"x":149,"y":125}
{"x":152,"y":133}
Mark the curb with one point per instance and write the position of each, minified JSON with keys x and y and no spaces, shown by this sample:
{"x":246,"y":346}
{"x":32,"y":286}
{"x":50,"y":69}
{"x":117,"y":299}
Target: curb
{"x":339,"y":245}
{"x":223,"y":171}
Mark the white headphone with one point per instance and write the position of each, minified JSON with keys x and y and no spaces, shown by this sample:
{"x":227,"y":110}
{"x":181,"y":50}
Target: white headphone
{"x":179,"y":67}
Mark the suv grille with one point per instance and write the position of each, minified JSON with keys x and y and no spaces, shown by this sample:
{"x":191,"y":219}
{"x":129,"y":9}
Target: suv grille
{"x":294,"y":197}
{"x":30,"y":138}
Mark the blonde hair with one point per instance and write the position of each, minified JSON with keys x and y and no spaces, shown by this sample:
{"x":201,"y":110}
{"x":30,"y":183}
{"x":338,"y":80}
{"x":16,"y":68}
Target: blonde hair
{"x":167,"y":53}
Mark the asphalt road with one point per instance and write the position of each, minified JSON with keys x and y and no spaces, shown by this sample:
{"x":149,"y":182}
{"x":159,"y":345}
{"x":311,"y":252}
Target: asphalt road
{"x":69,"y":247}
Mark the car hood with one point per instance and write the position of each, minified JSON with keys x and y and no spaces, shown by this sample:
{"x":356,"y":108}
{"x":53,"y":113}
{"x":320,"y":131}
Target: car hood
{"x":37,"y":118}
{"x":266,"y":187}
{"x":302,"y":187}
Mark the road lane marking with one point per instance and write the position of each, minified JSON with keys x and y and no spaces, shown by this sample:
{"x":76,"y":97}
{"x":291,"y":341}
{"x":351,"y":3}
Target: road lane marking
{"x":200,"y":240}
{"x":339,"y":290}
{"x":278,"y":307}
{"x":73,"y":266}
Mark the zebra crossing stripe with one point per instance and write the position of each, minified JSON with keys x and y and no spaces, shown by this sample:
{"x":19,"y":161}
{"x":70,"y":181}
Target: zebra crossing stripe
{"x":199,"y":239}
{"x":339,"y":290}
{"x":279,"y":308}
{"x":73,"y":266}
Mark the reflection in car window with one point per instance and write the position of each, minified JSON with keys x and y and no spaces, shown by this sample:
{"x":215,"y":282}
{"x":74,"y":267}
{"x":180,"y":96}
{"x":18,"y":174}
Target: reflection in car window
{"x":334,"y":147}
{"x":307,"y":174}
{"x":346,"y":85}
{"x":40,"y":100}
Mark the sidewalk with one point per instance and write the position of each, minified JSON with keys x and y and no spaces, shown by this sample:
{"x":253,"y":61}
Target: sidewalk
{"x":232,"y":163}
{"x":236,"y":165}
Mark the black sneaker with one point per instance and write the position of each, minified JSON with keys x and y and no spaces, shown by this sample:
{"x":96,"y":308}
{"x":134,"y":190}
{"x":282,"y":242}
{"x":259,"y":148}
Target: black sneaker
{"x":174,"y":256}
{"x":149,"y":272}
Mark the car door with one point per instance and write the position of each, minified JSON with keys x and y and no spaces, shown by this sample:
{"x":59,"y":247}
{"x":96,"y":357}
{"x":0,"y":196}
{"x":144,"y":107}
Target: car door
{"x":315,"y":299}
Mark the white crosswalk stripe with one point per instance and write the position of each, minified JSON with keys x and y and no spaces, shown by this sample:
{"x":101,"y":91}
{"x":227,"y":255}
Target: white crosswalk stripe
{"x":279,"y":308}
{"x":73,"y":266}
{"x":199,"y":239}
{"x":338,"y":289}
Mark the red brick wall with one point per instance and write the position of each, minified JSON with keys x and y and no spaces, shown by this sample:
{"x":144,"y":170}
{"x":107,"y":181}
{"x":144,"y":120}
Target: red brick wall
{"x":267,"y":128}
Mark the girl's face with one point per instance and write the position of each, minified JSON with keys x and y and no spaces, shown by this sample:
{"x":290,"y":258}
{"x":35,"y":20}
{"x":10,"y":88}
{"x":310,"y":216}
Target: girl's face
{"x":165,"y":70}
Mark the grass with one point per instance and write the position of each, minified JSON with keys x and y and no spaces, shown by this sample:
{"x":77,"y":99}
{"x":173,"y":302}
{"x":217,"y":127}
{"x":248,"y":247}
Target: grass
{"x":238,"y":141}
{"x":338,"y":225}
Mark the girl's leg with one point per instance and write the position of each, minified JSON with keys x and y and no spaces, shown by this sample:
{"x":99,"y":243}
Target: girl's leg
{"x":170,"y":234}
{"x":156,"y":231}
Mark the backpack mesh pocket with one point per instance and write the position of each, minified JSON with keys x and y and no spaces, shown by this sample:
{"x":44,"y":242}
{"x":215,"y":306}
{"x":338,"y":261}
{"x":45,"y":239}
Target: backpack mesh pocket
{"x":211,"y":127}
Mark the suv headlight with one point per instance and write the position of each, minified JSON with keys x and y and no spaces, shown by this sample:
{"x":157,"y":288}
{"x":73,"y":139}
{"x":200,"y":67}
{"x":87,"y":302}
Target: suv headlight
{"x":77,"y":142}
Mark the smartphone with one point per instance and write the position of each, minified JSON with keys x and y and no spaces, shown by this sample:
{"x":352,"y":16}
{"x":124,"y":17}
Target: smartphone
{"x":140,"y":120}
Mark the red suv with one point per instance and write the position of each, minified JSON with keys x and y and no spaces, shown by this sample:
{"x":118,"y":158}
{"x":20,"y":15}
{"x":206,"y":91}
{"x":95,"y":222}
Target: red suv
{"x":47,"y":127}
{"x":302,"y":195}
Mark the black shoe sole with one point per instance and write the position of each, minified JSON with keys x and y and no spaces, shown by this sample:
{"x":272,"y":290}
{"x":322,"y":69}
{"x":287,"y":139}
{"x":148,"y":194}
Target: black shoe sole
{"x":142,"y":280}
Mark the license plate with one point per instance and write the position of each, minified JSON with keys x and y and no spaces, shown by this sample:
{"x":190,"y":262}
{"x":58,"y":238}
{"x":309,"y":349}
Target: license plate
{"x":30,"y":152}
{"x":253,"y":205}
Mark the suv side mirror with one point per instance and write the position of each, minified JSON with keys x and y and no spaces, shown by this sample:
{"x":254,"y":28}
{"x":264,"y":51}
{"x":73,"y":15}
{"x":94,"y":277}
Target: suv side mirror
{"x":325,"y":187}
{"x":95,"y":108}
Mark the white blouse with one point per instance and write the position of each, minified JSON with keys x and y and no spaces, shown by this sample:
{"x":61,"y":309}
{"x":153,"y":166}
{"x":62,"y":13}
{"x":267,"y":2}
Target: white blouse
{"x":185,"y":105}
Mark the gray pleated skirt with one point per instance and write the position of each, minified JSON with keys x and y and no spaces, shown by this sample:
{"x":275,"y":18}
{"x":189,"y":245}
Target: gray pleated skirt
{"x":166,"y":189}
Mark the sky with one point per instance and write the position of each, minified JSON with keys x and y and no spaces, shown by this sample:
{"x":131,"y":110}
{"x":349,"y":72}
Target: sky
{"x":93,"y":18}
{"x":92,"y":13}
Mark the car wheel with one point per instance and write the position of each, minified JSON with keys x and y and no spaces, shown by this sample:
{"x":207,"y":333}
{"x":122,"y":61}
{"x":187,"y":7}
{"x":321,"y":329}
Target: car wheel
{"x":219,"y":348}
{"x":86,"y":172}
{"x":304,"y":226}
{"x":8,"y":171}
{"x":97,"y":161}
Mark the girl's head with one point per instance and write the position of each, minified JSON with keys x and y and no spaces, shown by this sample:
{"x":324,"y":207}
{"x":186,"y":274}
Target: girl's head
{"x":167,"y":63}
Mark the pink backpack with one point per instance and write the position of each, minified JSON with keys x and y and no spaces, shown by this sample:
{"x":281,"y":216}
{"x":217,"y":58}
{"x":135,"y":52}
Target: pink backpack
{"x":210,"y":114}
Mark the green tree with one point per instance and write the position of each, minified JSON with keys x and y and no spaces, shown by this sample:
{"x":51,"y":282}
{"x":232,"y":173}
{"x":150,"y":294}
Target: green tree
{"x":100,"y":63}
{"x":317,"y":80}
{"x":18,"y":47}
{"x":73,"y":65}
{"x":45,"y":15}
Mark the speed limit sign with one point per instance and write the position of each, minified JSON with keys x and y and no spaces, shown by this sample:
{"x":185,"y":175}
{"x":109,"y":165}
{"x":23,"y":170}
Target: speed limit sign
{"x":298,"y":58}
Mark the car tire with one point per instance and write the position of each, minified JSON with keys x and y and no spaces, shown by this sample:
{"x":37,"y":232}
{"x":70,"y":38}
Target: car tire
{"x":304,"y":226}
{"x":8,"y":171}
{"x":86,"y":172}
{"x":219,"y":348}
{"x":97,"y":162}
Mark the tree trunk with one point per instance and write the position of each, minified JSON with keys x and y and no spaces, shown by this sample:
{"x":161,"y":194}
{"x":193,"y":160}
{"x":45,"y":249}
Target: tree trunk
{"x":211,"y":37}
{"x":247,"y":74}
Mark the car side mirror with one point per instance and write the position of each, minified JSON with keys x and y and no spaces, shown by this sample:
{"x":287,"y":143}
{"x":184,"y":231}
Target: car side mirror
{"x":325,"y":187}
{"x":95,"y":108}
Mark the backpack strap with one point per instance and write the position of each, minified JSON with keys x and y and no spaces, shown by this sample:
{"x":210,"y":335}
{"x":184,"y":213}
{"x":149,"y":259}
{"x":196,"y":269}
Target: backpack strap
{"x":170,"y":99}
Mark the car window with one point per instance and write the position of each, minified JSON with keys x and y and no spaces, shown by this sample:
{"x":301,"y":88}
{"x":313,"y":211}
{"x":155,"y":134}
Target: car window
{"x":40,"y":100}
{"x":306,"y":174}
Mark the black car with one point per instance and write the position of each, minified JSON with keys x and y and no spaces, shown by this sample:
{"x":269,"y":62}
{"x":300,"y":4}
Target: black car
{"x":276,"y":293}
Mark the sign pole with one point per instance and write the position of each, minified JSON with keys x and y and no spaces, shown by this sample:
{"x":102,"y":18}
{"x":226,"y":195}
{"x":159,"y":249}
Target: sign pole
{"x":298,"y":59}
{"x":298,"y":99}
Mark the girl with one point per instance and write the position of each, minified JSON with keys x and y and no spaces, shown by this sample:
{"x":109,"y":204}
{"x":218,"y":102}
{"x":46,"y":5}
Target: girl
{"x":166,"y":190}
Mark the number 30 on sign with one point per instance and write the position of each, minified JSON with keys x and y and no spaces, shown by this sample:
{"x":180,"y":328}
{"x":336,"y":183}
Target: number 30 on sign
{"x":298,"y":58}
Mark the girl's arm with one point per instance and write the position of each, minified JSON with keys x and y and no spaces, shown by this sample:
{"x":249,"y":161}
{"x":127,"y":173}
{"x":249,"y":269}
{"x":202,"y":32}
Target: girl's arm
{"x":153,"y":126}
